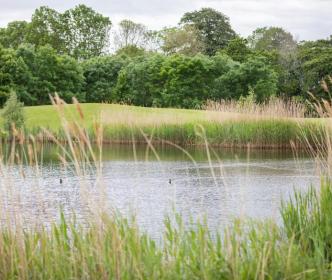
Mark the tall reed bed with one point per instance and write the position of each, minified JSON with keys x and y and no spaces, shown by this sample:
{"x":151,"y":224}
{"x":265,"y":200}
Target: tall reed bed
{"x":114,"y":248}
{"x":276,"y":123}
{"x":274,"y":107}
{"x":263,"y":133}
{"x":126,"y":124}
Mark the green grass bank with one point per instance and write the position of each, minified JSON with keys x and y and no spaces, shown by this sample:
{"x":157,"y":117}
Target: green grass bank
{"x":127,"y":124}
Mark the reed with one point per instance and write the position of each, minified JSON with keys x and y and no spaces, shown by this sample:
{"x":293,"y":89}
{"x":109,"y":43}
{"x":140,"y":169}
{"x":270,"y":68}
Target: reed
{"x":114,"y":248}
{"x":273,"y":108}
{"x":105,"y":245}
{"x":125,"y":124}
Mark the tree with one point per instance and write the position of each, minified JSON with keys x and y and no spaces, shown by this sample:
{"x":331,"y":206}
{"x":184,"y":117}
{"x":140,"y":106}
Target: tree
{"x":14,"y":34}
{"x":13,"y":72}
{"x":237,"y":49}
{"x":101,"y":75}
{"x":280,"y":46}
{"x":213,"y":26}
{"x":80,"y":32}
{"x":183,"y":40}
{"x":316,"y":65}
{"x":187,"y":81}
{"x":140,"y":82}
{"x":48,"y":73}
{"x":12,"y":113}
{"x":130,"y":51}
{"x":7,"y":61}
{"x":85,"y":32}
{"x":253,"y":75}
{"x":46,"y":28}
{"x":131,"y":34}
{"x":272,"y":39}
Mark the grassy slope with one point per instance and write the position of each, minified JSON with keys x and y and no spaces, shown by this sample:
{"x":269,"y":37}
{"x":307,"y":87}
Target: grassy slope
{"x":47,"y":116}
{"x":124,"y":123}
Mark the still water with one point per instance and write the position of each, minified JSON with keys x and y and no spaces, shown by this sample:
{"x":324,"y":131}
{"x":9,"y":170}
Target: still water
{"x":233,"y":183}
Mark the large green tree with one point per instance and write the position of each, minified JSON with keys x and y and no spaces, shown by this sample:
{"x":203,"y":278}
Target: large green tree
{"x":46,"y":28}
{"x":316,"y":66}
{"x":85,"y":32}
{"x":47,"y":73}
{"x":253,"y":75}
{"x":213,"y":26}
{"x":80,"y":32}
{"x":280,"y":47}
{"x":272,"y":39}
{"x":238,"y":50}
{"x":14,"y":34}
{"x":182,"y":40}
{"x":130,"y":33}
{"x":14,"y":73}
{"x":140,"y":82}
{"x":101,"y":75}
{"x":187,"y":81}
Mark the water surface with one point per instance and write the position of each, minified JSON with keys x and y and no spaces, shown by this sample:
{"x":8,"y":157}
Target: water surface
{"x":233,"y":183}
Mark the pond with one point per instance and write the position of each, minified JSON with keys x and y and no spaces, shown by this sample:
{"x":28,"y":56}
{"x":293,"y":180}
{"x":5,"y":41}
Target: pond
{"x":232,"y":184}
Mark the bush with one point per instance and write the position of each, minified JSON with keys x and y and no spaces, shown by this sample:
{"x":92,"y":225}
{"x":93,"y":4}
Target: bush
{"x":13,"y":113}
{"x":101,"y":75}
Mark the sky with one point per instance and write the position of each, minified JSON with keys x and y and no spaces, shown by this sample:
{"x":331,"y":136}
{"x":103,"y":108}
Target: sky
{"x":305,"y":19}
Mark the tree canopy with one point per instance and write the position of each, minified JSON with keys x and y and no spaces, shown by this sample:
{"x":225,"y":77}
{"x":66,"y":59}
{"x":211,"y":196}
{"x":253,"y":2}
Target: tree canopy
{"x":214,"y":28}
{"x":201,"y":58}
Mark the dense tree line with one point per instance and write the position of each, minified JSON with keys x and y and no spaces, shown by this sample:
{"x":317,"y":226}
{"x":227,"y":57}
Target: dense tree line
{"x":201,"y":58}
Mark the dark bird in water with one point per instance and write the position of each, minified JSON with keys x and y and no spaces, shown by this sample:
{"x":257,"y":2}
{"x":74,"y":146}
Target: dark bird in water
{"x":170,"y":181}
{"x":60,"y":181}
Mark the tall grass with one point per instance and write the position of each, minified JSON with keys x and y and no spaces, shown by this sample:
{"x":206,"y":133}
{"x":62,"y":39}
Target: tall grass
{"x":114,"y":248}
{"x":220,"y":129}
{"x":275,"y":124}
{"x":273,"y":108}
{"x":108,"y":246}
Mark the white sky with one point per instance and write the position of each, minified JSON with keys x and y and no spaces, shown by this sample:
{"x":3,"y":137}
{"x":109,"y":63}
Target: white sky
{"x":306,"y":19}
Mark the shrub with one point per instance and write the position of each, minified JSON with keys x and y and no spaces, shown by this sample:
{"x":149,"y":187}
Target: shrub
{"x":13,"y":113}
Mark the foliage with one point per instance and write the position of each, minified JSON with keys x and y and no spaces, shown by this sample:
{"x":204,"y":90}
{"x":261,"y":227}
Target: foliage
{"x":47,"y":73}
{"x":183,"y":40}
{"x":280,"y":47}
{"x":254,"y":75}
{"x":237,"y":49}
{"x":140,"y":82}
{"x":50,"y":53}
{"x":101,"y":75}
{"x":14,"y":34}
{"x":130,"y":51}
{"x":131,"y":34}
{"x":182,"y":81}
{"x":187,"y":81}
{"x":86,"y":32}
{"x":12,"y":113}
{"x":213,"y":26}
{"x":80,"y":32}
{"x":272,"y":38}
{"x":316,"y":65}
{"x":46,"y":28}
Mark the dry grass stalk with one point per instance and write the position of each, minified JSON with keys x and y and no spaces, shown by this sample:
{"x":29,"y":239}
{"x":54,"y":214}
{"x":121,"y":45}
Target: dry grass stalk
{"x":274,"y":108}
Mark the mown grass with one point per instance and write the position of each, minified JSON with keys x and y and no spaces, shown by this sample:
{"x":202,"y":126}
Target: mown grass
{"x":125,"y":124}
{"x":114,"y":248}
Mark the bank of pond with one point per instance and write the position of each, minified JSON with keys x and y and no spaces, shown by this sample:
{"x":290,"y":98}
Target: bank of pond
{"x":111,"y":123}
